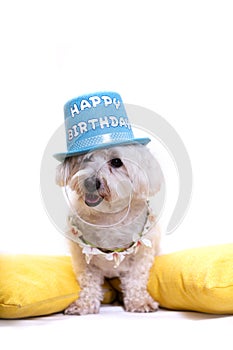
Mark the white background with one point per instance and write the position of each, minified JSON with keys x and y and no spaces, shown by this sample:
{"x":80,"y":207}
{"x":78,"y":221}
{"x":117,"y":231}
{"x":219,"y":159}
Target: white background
{"x":174,"y":57}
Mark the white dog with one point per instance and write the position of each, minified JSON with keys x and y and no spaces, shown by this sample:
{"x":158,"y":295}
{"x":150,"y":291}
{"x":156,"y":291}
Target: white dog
{"x":111,"y":228}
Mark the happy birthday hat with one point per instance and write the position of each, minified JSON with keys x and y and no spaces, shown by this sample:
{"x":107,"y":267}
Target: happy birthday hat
{"x":96,"y":121}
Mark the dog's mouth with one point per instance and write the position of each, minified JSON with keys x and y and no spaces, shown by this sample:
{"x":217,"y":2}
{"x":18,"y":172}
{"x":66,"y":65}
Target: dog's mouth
{"x":92,"y":200}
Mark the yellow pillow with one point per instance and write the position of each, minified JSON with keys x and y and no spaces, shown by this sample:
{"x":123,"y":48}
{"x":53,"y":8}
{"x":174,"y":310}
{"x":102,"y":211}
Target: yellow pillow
{"x":38,"y":285}
{"x":198,"y":279}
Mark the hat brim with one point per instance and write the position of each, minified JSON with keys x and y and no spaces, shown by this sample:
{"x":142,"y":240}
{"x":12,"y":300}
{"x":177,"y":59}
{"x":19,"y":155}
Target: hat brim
{"x":62,"y":156}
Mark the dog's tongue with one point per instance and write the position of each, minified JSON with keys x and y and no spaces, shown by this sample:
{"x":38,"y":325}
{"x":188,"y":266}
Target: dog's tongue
{"x":92,"y":200}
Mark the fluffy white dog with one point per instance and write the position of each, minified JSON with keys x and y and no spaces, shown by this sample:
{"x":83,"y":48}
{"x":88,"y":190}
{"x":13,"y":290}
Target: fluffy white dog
{"x":111,"y":228}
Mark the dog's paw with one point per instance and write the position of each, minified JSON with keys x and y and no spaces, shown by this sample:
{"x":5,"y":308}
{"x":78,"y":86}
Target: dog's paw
{"x":83,"y":307}
{"x":141,"y":304}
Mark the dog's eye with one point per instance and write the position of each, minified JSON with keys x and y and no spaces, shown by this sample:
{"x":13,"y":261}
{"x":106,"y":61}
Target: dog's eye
{"x":116,"y":163}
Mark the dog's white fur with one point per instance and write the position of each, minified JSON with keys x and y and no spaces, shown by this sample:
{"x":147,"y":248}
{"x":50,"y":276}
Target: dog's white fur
{"x":113,"y":223}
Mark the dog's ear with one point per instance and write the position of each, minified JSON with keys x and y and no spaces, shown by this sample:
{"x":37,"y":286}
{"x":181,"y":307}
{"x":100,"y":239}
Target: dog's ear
{"x":66,"y":170}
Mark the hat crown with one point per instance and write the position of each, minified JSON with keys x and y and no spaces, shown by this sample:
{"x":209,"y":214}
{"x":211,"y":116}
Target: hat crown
{"x":96,"y":121}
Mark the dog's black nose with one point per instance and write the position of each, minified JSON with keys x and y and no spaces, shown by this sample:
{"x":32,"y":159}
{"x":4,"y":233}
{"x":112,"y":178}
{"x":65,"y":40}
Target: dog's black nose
{"x":92,"y":184}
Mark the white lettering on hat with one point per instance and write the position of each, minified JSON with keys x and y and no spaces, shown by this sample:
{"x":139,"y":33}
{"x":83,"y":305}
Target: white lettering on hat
{"x":84,"y":104}
{"x":70,"y":134}
{"x":76,"y":133}
{"x":104,"y":122}
{"x":93,"y":101}
{"x":82,"y":127}
{"x":74,"y":110}
{"x":93,"y":122}
{"x":122,"y":121}
{"x":127,"y":123}
{"x":116,"y":103}
{"x":107,"y":100}
{"x":114,"y":121}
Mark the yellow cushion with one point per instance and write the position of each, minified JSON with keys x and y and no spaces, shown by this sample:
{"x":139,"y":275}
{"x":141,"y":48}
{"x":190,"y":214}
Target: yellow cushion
{"x":38,"y":285}
{"x":198,"y":279}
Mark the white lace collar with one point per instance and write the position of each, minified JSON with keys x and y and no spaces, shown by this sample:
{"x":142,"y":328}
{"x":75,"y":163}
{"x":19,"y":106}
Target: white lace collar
{"x":116,"y":255}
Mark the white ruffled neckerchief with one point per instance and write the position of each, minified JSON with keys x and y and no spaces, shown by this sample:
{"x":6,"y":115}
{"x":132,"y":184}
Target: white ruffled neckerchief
{"x":116,"y":255}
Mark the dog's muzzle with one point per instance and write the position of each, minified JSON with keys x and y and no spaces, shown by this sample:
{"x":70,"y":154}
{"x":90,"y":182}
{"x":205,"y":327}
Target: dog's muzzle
{"x":92,"y":197}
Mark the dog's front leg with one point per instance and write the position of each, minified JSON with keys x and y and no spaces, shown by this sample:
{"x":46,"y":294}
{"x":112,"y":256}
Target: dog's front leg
{"x":134,"y":283}
{"x":90,"y":280}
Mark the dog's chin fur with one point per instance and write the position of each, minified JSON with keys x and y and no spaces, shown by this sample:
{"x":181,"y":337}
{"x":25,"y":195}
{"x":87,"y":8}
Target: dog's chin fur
{"x":110,"y":211}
